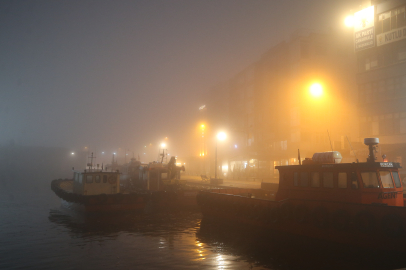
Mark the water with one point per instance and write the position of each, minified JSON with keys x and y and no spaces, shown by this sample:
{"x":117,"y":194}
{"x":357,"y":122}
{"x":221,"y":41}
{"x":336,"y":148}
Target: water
{"x":37,"y":233}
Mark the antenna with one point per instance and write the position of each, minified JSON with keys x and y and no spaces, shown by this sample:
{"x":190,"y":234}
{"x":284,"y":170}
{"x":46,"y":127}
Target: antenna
{"x":352,"y":148}
{"x":90,"y":164}
{"x":330,"y":140}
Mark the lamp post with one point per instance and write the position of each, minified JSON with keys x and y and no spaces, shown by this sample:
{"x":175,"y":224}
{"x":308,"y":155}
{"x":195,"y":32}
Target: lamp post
{"x":221,"y":136}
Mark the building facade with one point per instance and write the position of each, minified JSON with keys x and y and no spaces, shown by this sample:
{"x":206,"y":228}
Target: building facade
{"x":381,"y":79}
{"x":271,"y":114}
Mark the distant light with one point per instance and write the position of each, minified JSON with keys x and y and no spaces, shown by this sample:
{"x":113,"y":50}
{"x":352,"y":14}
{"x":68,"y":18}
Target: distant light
{"x":72,"y":153}
{"x":163,"y":145}
{"x":166,"y":138}
{"x":349,"y":21}
{"x":144,"y":153}
{"x":145,"y":146}
{"x":102,"y":152}
{"x":114,"y":153}
{"x":235,"y":146}
{"x":316,"y":90}
{"x":126,"y":154}
{"x":221,"y":136}
{"x":201,"y":108}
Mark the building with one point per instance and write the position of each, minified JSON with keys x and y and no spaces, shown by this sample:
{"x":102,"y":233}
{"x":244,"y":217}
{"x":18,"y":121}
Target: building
{"x":381,"y":76}
{"x":271,"y":114}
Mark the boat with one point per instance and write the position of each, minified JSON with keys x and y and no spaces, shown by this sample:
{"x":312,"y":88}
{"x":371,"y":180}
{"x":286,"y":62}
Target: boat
{"x":359,"y":203}
{"x":98,"y":190}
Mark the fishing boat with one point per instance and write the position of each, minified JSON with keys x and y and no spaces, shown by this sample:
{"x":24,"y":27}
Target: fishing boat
{"x":98,"y":190}
{"x":359,"y":203}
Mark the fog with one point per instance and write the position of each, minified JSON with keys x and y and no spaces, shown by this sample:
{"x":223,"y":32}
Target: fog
{"x":108,"y":75}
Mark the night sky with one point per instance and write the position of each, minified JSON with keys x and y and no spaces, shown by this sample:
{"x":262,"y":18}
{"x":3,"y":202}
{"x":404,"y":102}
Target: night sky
{"x":109,"y":74}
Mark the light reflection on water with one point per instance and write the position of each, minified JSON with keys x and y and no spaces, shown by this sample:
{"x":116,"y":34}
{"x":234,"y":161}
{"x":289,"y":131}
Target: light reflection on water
{"x":34,"y":237}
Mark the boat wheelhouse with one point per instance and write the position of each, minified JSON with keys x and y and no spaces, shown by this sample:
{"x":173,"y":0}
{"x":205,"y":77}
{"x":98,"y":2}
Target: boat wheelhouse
{"x":365,"y":183}
{"x":95,"y":182}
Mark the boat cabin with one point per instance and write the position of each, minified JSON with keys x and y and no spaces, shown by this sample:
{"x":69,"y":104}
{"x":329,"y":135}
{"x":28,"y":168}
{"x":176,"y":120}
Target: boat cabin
{"x":325,"y":179}
{"x":158,"y":176}
{"x":353,"y":182}
{"x":95,"y":182}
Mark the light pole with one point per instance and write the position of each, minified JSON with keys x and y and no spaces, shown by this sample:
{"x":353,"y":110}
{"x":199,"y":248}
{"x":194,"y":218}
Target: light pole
{"x":221,"y":136}
{"x":202,"y":153}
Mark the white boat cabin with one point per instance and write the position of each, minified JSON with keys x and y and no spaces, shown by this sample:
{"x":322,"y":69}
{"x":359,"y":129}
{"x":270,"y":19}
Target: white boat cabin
{"x":95,"y":182}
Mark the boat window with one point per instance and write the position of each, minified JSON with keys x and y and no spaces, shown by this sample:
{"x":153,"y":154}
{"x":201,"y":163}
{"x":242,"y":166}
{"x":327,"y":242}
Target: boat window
{"x":304,"y":179}
{"x":354,"y":181}
{"x":104,"y":178}
{"x":369,"y":179}
{"x":295,"y":179}
{"x":80,"y":178}
{"x":97,"y":179}
{"x":386,"y":179}
{"x":328,"y":181}
{"x":89,"y":179}
{"x":315,"y":179}
{"x":342,"y":180}
{"x":397,"y":179}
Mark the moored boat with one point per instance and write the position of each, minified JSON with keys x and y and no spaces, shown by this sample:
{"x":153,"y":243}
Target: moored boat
{"x":98,"y":190}
{"x":352,"y":203}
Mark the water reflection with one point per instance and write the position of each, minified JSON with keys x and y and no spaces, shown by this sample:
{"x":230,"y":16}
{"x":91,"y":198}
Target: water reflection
{"x":270,"y":250}
{"x":111,"y":225}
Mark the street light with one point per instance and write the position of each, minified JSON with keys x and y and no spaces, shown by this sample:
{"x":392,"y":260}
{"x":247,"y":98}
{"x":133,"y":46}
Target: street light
{"x":316,"y":89}
{"x":221,"y":136}
{"x":349,"y":21}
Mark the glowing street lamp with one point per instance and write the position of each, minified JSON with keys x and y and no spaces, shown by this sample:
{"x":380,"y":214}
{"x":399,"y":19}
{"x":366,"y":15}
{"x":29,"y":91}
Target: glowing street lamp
{"x":349,"y":21}
{"x":221,"y":136}
{"x":316,"y":90}
{"x":163,"y":145}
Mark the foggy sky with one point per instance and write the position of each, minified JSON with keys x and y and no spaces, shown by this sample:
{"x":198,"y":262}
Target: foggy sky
{"x":109,"y":74}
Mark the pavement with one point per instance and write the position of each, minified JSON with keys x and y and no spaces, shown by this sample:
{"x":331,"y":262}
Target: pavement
{"x":192,"y":179}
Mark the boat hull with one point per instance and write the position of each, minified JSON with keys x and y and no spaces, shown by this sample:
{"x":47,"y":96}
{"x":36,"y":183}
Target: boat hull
{"x":102,"y":202}
{"x":372,"y":226}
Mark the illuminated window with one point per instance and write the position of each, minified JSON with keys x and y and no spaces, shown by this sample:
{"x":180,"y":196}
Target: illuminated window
{"x":390,"y":20}
{"x":397,"y":179}
{"x":386,"y":179}
{"x":370,"y":180}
